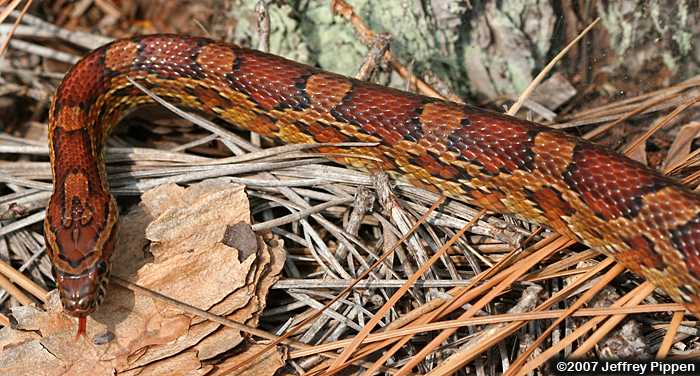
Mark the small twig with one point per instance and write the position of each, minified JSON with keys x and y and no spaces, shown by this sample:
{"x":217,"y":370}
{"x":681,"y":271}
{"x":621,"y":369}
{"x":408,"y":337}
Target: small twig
{"x":367,"y":36}
{"x":642,"y":107}
{"x":4,"y":15}
{"x":23,"y":281}
{"x":16,"y":293}
{"x":204,"y":314}
{"x":298,"y":215}
{"x":670,"y":335}
{"x":374,"y":57}
{"x":22,"y":223}
{"x":43,"y":51}
{"x":79,"y":38}
{"x":661,"y":123}
{"x":571,"y":310}
{"x":508,"y":278}
{"x":492,"y":319}
{"x":263,"y":25}
{"x":340,"y":295}
{"x":636,"y":297}
{"x":357,"y":340}
{"x":211,"y":127}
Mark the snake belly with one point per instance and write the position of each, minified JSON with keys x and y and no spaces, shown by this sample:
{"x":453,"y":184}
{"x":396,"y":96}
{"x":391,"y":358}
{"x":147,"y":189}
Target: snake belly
{"x":648,"y":222}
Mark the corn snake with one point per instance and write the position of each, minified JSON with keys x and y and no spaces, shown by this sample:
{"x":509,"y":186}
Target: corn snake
{"x":648,"y":222}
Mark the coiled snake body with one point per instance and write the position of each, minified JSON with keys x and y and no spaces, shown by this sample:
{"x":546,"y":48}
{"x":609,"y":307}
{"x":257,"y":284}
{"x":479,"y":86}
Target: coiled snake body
{"x":648,"y":222}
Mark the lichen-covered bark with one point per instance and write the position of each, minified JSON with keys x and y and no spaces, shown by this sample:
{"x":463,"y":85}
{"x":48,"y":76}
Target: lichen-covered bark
{"x":507,"y":42}
{"x":486,"y":48}
{"x":642,"y":31}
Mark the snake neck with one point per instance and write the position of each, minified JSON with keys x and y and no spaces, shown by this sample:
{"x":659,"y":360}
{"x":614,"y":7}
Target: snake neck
{"x":81,"y":216}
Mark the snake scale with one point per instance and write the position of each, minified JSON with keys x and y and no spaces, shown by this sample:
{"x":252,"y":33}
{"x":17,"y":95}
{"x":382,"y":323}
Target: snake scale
{"x":648,"y":222}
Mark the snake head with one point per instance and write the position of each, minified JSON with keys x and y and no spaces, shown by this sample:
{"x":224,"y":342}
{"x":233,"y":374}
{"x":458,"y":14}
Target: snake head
{"x":81,"y":280}
{"x":79,"y":229}
{"x":82,"y":293}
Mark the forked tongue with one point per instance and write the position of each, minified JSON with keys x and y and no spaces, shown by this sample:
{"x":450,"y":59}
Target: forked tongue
{"x":82,"y":325}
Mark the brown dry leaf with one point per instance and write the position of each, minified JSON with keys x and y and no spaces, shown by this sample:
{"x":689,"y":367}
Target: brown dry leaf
{"x":639,"y":154}
{"x":268,"y":363}
{"x":682,"y":144}
{"x":136,"y":335}
{"x":554,"y":91}
{"x":184,"y":363}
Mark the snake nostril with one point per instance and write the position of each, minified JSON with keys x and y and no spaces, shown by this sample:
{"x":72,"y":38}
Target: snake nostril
{"x":84,"y":303}
{"x":69,"y":304}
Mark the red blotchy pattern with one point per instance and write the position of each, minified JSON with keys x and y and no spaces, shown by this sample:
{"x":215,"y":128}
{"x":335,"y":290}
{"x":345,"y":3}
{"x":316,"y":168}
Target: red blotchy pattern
{"x":268,"y":84}
{"x":436,"y":168}
{"x":72,"y":149}
{"x":80,"y":86}
{"x":169,"y":58}
{"x":642,"y":252}
{"x":501,"y":162}
{"x":610,"y":185}
{"x":393,"y":118}
{"x":496,"y":142}
{"x":686,"y":238}
{"x":553,"y":206}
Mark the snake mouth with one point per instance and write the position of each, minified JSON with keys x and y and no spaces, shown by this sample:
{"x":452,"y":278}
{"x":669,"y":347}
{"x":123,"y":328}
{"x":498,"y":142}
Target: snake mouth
{"x":81,"y":294}
{"x":74,"y":309}
{"x":78,"y":305}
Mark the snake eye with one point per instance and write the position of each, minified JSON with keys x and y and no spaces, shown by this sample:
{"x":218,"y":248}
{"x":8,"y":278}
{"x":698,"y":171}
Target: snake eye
{"x":101,"y":267}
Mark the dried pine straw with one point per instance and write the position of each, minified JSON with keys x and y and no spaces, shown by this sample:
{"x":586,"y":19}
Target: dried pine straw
{"x":447,"y":285}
